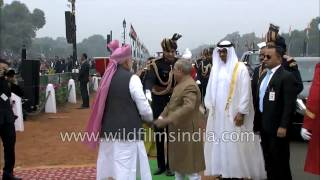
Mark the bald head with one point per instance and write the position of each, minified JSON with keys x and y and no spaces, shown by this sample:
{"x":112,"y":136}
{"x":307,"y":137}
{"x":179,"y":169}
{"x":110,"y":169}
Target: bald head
{"x":184,"y":66}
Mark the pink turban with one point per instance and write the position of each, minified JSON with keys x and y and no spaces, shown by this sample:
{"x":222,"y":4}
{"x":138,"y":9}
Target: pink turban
{"x":118,"y":56}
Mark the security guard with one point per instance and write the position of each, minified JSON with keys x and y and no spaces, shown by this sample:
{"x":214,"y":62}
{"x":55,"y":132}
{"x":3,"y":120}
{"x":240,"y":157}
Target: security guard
{"x":7,"y":129}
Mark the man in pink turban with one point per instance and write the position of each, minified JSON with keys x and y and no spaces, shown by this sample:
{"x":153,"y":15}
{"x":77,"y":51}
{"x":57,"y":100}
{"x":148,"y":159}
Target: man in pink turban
{"x":116,"y":119}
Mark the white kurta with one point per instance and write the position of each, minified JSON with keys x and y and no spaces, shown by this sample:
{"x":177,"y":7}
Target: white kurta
{"x":234,"y":158}
{"x":124,"y":160}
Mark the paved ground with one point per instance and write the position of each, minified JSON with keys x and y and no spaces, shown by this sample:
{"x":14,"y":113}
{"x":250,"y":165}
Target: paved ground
{"x":40,"y":144}
{"x":298,"y":154}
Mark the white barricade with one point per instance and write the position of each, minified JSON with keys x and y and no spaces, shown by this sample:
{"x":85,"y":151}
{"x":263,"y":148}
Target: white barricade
{"x":95,"y":80}
{"x":51,"y":100}
{"x":72,"y":97}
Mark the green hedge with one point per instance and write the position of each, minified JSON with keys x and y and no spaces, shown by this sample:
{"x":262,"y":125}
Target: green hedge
{"x":60,"y":82}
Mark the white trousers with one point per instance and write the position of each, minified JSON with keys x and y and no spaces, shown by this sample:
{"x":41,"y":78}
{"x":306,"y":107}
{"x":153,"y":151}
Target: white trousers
{"x":122,"y":161}
{"x":194,"y":176}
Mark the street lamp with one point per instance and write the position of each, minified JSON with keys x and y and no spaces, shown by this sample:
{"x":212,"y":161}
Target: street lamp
{"x":124,"y":24}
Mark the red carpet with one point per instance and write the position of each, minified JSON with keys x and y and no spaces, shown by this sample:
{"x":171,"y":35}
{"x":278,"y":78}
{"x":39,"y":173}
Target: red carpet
{"x":58,"y":173}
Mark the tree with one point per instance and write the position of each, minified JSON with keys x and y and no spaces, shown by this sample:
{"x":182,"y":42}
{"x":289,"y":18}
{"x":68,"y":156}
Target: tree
{"x":49,"y":47}
{"x":19,"y":26}
{"x":94,"y":46}
{"x":38,"y":19}
{"x":298,"y":42}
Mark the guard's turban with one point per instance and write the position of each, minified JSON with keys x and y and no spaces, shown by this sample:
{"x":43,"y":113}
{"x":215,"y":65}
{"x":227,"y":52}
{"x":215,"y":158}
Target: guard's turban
{"x":168,"y":45}
{"x":273,"y":36}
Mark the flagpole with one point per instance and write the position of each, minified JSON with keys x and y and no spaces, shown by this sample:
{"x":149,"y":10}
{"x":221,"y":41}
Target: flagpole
{"x":289,"y":48}
{"x":307,"y":38}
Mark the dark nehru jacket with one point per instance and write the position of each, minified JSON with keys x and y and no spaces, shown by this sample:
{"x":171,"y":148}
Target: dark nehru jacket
{"x":121,"y":115}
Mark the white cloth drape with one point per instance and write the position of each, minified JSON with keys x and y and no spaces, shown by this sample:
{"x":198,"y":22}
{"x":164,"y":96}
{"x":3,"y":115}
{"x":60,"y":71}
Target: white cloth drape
{"x":51,"y":106}
{"x":17,"y":110}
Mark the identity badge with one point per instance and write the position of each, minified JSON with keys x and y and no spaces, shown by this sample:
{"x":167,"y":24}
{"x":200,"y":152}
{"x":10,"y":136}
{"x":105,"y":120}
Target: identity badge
{"x":272,"y":96}
{"x":4,"y":97}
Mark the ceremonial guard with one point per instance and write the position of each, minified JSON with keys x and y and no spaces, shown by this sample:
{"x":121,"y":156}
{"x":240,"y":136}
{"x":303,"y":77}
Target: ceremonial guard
{"x":203,"y":66}
{"x":288,"y":63}
{"x":159,"y":84}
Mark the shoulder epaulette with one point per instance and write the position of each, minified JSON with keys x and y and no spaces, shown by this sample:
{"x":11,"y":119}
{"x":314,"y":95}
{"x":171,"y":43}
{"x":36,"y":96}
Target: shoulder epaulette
{"x":292,"y":64}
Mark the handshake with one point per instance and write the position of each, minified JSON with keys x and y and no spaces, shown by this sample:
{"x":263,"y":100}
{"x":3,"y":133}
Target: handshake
{"x":159,"y":123}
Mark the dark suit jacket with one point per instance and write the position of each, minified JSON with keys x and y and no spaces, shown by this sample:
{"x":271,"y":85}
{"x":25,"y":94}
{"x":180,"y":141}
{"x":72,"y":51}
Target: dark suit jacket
{"x":6,"y":113}
{"x":276,"y":113}
{"x":84,"y":72}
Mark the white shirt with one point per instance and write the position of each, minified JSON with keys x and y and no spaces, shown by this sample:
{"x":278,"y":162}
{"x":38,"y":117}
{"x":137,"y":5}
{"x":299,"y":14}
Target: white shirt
{"x":137,"y":94}
{"x":273,"y":70}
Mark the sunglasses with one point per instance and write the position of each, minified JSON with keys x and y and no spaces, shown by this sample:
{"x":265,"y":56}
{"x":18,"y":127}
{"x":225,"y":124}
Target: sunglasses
{"x":267,"y":56}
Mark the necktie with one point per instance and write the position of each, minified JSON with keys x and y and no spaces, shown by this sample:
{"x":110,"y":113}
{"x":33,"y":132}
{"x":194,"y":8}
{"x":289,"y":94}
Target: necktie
{"x":263,"y":89}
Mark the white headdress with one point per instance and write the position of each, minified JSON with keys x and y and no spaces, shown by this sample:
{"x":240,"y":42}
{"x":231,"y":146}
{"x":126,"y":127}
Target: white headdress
{"x":232,"y":59}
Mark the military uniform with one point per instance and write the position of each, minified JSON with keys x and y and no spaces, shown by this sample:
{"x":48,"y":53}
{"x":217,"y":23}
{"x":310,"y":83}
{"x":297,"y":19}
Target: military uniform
{"x":159,"y":80}
{"x":203,"y":67}
{"x":290,"y":65}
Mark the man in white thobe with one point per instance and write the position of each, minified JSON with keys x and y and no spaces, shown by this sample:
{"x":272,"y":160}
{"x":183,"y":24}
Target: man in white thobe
{"x":235,"y":151}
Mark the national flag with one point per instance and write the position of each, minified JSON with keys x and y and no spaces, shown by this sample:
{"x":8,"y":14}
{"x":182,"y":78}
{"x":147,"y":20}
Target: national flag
{"x":133,"y":33}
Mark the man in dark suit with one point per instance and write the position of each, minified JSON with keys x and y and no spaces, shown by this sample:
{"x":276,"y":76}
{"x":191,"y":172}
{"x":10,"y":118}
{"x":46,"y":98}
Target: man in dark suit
{"x":84,"y":79}
{"x":7,"y":129}
{"x":275,"y":104}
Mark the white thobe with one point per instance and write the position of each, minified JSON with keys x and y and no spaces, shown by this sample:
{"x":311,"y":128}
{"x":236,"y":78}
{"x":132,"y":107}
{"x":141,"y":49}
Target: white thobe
{"x":233,"y":158}
{"x":125,"y":160}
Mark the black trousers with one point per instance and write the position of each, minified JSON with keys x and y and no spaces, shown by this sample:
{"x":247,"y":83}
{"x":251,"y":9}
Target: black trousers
{"x":203,"y":88}
{"x":8,"y":137}
{"x":84,"y":94}
{"x":158,"y":104}
{"x":276,"y":153}
{"x":160,"y":140}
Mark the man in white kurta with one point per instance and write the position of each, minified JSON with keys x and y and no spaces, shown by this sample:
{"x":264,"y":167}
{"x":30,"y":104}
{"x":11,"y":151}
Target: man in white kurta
{"x":122,"y":155}
{"x":119,"y":159}
{"x":235,"y":151}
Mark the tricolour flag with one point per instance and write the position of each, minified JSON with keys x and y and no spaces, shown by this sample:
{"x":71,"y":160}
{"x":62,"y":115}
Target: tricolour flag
{"x":133,"y":33}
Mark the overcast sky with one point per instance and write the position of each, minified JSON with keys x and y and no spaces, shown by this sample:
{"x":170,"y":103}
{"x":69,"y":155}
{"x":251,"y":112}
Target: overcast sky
{"x":199,"y":21}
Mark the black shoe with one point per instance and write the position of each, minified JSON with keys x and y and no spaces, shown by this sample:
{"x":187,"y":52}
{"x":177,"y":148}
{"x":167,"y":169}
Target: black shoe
{"x":10,"y":177}
{"x":159,"y":171}
{"x":169,"y":173}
